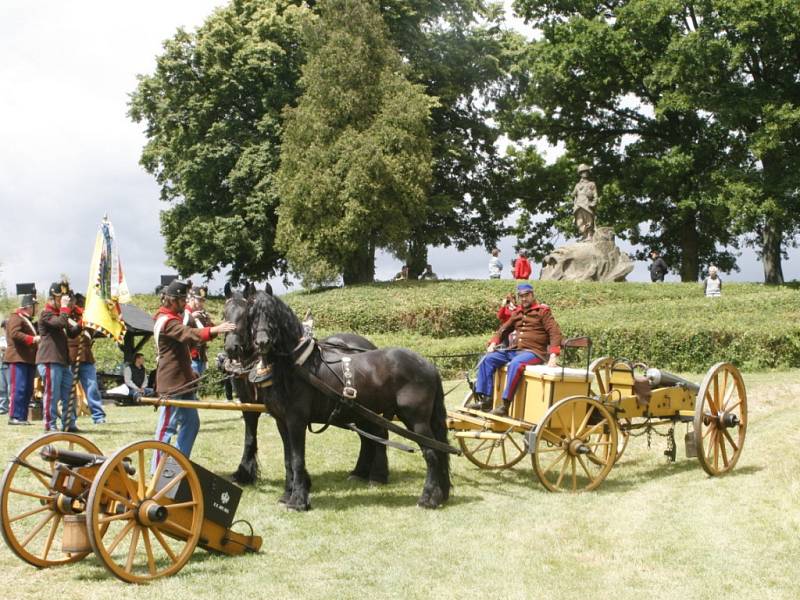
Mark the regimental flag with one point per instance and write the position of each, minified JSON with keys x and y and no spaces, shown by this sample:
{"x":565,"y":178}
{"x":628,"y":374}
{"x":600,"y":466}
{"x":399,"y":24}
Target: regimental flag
{"x":107,"y":286}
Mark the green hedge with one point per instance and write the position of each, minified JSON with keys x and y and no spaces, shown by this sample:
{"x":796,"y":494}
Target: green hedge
{"x":667,"y":325}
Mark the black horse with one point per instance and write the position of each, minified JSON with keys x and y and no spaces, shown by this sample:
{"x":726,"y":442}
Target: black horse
{"x":372,"y":464}
{"x":390,"y":382}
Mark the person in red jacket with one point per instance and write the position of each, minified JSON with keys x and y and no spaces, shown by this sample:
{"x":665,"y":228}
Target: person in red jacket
{"x":522,"y":268}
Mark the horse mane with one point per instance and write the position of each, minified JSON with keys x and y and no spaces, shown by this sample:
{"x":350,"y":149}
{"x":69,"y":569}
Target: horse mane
{"x":283,"y":326}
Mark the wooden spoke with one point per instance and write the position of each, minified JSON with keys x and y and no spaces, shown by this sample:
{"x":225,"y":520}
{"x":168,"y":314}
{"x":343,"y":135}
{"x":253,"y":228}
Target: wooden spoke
{"x":561,"y":475}
{"x":156,"y":476}
{"x":30,"y":494}
{"x":51,"y":536}
{"x":151,"y":561}
{"x":132,"y":549}
{"x":572,"y":420}
{"x":121,"y":517}
{"x":556,"y":461}
{"x":187,"y":504}
{"x":25,"y":515}
{"x":585,"y":420}
{"x":721,"y":444}
{"x":126,"y":481}
{"x":161,"y":540}
{"x":574,"y":475}
{"x":121,"y":536}
{"x":730,"y":439}
{"x":39,"y":526}
{"x":166,"y":489}
{"x":172,"y":525}
{"x":141,"y":483}
{"x":585,"y":468}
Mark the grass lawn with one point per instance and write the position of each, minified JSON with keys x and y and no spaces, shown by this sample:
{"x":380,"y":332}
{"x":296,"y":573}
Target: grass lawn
{"x":652,"y":529}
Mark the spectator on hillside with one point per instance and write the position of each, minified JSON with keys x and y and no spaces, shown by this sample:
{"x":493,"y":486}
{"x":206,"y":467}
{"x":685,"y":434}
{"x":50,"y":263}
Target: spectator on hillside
{"x":402,"y":275}
{"x":428,"y":274}
{"x":658,"y":268}
{"x":495,"y":266}
{"x":712,"y":285}
{"x":522,"y":268}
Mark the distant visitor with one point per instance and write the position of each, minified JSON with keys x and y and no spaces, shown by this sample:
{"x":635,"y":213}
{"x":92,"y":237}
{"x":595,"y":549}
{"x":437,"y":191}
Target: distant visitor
{"x":658,"y":268}
{"x":522,"y":268}
{"x":495,"y":266}
{"x":712,"y":285}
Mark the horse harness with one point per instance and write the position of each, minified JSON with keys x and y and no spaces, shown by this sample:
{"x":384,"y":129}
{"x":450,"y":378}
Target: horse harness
{"x":346,"y":399}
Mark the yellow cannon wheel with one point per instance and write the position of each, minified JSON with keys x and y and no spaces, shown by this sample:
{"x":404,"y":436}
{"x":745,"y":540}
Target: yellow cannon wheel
{"x":602,"y":368}
{"x":149,"y":497}
{"x":720,"y":419}
{"x":572,"y":445}
{"x":31,"y":513}
{"x":501,"y":453}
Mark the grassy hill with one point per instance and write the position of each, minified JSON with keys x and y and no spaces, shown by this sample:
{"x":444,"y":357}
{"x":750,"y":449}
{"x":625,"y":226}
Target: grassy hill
{"x":667,"y":325}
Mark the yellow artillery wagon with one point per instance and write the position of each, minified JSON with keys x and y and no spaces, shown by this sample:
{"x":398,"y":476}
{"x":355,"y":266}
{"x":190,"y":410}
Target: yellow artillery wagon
{"x":575,"y":423}
{"x":142,"y":510}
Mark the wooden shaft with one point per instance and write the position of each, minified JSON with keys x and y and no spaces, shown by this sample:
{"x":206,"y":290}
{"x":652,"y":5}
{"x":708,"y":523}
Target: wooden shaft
{"x":242,"y":407}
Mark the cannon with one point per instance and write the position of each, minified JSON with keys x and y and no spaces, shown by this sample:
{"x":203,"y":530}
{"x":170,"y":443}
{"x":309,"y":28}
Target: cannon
{"x":575,"y":423}
{"x":142,"y":511}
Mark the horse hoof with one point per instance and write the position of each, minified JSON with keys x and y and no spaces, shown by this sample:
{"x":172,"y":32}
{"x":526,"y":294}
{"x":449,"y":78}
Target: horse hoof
{"x":356,"y":477}
{"x":284,"y":499}
{"x":298,"y":507}
{"x":427,"y":503}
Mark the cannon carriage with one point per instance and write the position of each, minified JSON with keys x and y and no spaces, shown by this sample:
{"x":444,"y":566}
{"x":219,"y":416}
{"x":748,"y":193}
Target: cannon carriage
{"x":576,"y":423}
{"x":143,"y":510}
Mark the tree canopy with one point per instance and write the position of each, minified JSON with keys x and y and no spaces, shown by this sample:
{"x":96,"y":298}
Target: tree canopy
{"x":355,"y":158}
{"x":654,"y":92}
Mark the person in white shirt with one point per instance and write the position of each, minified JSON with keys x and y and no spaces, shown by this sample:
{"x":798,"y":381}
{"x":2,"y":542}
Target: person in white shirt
{"x":495,"y":266}
{"x":712,"y":285}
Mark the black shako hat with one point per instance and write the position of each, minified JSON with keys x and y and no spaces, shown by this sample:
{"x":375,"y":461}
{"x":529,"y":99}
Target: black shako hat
{"x":177,"y":289}
{"x":199,"y":291}
{"x":27,"y":300}
{"x":58,"y":288}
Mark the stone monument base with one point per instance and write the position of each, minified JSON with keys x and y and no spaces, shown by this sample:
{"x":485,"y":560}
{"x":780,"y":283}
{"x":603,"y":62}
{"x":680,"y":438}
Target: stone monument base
{"x":595,"y":260}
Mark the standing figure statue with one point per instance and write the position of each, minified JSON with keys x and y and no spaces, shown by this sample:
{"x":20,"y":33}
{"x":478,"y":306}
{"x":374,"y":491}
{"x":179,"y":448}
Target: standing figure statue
{"x":584,"y":201}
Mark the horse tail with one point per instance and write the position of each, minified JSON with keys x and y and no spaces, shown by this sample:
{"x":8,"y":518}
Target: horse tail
{"x":439,"y":428}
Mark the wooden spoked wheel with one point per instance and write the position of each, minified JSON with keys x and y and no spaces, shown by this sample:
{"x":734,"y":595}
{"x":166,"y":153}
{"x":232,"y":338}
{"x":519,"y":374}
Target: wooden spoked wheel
{"x":575,"y":445}
{"x":31,"y":512}
{"x":720,"y":419}
{"x":154,"y":516}
{"x":501,"y":453}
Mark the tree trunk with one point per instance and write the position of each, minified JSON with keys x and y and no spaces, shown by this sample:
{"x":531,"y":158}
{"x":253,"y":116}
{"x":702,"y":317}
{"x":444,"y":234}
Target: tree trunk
{"x":417,"y":257}
{"x":690,"y":267}
{"x":771,"y":239}
{"x":361,"y":267}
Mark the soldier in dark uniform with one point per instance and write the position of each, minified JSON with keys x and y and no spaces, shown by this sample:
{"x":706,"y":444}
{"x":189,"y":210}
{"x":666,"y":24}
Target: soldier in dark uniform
{"x":22,"y":339}
{"x":52,"y":358}
{"x":538,"y":336}
{"x":175,"y":377}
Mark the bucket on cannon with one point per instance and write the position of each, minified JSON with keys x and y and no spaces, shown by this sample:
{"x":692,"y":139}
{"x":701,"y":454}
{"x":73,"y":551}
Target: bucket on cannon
{"x":76,"y":538}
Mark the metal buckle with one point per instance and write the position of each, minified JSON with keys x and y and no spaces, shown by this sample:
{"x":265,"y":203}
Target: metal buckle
{"x":349,"y":392}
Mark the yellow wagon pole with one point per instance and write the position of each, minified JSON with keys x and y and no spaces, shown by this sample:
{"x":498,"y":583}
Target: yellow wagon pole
{"x":242,"y":407}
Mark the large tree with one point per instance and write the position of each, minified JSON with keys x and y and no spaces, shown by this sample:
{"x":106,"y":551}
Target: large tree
{"x":213,"y":116}
{"x":596,"y":80}
{"x":213,"y":113}
{"x":355,"y":160}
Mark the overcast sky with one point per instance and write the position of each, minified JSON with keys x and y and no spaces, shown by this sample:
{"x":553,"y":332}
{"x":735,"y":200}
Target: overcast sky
{"x":69,"y":154}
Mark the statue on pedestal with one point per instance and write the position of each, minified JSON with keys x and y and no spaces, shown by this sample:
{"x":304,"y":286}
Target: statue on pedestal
{"x":595,"y":256}
{"x":584,"y":201}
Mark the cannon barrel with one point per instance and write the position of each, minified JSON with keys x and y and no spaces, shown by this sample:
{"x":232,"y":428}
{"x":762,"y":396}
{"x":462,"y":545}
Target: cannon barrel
{"x":660,"y":378}
{"x":71,"y":458}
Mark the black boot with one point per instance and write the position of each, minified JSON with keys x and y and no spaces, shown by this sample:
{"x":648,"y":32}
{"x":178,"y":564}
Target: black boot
{"x":482,"y":402}
{"x":502,"y":410}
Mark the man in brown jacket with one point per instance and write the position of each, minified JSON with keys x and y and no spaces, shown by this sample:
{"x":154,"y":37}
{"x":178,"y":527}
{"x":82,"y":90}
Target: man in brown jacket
{"x":175,"y":377}
{"x":537,"y":336}
{"x":22,"y":339}
{"x":81,"y":358}
{"x":52,"y":358}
